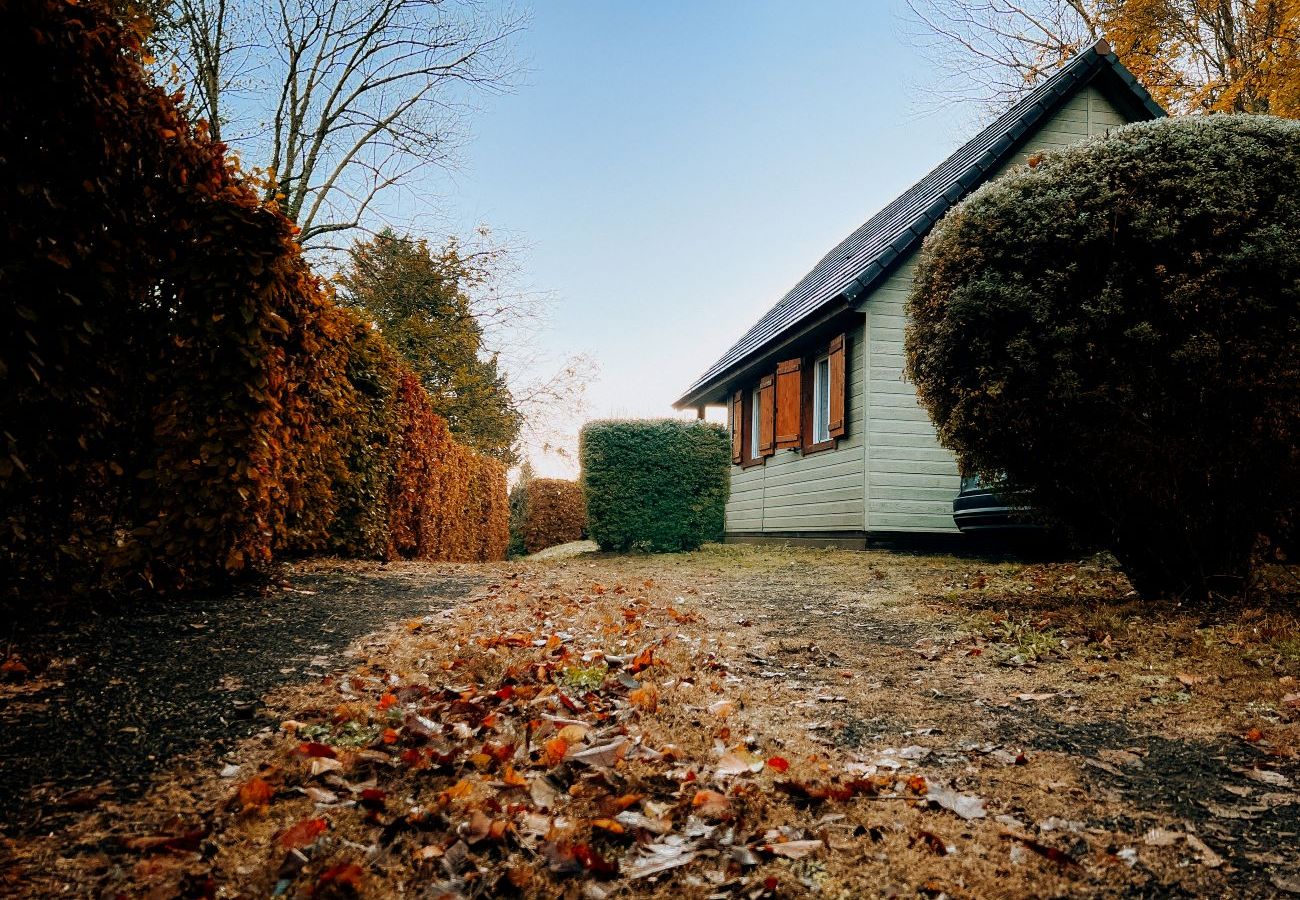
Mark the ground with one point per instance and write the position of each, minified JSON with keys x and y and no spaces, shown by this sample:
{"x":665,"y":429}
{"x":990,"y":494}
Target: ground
{"x":736,"y":722}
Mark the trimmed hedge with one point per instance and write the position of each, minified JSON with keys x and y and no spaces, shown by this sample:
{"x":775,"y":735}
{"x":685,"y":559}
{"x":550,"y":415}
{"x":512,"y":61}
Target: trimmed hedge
{"x":658,"y":485}
{"x":552,"y":511}
{"x":1117,"y":330}
{"x":181,"y":399}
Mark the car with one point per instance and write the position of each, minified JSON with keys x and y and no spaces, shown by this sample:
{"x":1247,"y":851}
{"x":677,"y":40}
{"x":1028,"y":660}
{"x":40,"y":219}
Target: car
{"x":980,"y":509}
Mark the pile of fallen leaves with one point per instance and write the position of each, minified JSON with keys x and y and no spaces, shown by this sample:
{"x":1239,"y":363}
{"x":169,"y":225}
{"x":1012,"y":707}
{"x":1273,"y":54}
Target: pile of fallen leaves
{"x":557,"y":737}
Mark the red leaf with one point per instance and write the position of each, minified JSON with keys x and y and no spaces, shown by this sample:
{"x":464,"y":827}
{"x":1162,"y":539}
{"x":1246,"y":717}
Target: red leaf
{"x":780,"y":763}
{"x":312,"y":748}
{"x":343,"y":875}
{"x":303,"y":833}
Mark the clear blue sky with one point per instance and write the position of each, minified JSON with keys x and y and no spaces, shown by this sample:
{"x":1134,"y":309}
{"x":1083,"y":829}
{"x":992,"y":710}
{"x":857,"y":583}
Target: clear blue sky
{"x":675,"y":167}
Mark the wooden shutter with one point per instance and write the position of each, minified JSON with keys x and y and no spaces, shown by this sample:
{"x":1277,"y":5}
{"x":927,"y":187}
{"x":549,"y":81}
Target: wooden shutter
{"x":789,"y":404}
{"x":738,"y":427}
{"x":838,"y":388}
{"x":766,"y":413}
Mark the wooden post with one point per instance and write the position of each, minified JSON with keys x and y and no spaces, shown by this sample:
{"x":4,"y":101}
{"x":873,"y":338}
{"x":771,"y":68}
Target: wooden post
{"x":699,"y":413}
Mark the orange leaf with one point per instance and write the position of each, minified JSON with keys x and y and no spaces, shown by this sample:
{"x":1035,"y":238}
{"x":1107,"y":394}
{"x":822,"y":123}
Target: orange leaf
{"x":344,"y":874}
{"x":303,"y":833}
{"x":780,"y":763}
{"x":646,"y":698}
{"x":711,"y":804}
{"x":387,"y":700}
{"x":554,"y":751}
{"x":511,"y":778}
{"x":255,"y":794}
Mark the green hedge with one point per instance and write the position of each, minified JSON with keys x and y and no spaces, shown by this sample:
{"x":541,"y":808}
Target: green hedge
{"x":1116,"y":331}
{"x":657,"y":485}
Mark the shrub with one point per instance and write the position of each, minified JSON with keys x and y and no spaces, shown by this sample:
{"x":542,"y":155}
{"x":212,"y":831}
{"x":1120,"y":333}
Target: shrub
{"x":654,"y":485}
{"x":553,"y":512}
{"x":1117,"y":330}
{"x":182,"y":401}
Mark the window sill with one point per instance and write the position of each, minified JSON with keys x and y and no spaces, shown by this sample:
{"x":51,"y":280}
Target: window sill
{"x":818,"y":448}
{"x":749,"y":464}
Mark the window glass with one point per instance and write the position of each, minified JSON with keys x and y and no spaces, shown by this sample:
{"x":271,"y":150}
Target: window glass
{"x":821,"y":400}
{"x":753,"y":424}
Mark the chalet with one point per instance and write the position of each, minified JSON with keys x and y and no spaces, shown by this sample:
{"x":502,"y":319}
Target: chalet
{"x":829,"y":443}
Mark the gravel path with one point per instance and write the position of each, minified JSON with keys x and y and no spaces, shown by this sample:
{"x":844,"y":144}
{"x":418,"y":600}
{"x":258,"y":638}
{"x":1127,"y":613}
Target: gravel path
{"x":117,"y":695}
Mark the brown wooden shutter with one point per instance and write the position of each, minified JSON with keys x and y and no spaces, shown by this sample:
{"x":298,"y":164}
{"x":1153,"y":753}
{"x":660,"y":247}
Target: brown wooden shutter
{"x":766,"y":413}
{"x":789,"y":404}
{"x":738,"y":427}
{"x":838,"y":386}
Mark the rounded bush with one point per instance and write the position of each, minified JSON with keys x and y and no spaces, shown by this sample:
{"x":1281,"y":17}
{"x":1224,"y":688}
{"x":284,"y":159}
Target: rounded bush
{"x":1116,"y":332}
{"x":656,"y":485}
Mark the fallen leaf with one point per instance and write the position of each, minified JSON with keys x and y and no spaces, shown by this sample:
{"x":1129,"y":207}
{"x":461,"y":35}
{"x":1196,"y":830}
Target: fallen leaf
{"x":1207,"y":856}
{"x":930,"y":840}
{"x":1160,"y":837}
{"x":793,"y":849}
{"x":303,"y":833}
{"x":711,"y":805}
{"x":739,"y":762}
{"x":603,"y":756}
{"x":660,"y":857}
{"x":780,"y":763}
{"x":967,"y":806}
{"x":722,"y":708}
{"x":255,"y":795}
{"x":345,"y":875}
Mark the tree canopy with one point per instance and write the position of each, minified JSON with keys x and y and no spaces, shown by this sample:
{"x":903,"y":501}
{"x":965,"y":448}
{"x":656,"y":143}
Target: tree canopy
{"x":417,"y":297}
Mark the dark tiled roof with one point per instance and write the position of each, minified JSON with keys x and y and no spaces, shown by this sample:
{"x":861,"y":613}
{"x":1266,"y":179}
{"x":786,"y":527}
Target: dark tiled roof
{"x":867,"y":254}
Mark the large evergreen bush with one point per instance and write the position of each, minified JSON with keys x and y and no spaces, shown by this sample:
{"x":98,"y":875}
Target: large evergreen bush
{"x":1116,"y":330}
{"x":654,"y":485}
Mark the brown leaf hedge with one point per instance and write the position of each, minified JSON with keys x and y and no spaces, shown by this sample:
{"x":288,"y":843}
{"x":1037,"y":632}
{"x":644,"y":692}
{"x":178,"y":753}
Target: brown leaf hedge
{"x":181,"y":402}
{"x":554,"y":512}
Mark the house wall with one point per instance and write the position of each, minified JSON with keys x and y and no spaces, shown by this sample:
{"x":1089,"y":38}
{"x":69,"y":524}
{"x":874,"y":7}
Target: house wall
{"x":889,"y":473}
{"x":820,"y":492}
{"x":911,"y":481}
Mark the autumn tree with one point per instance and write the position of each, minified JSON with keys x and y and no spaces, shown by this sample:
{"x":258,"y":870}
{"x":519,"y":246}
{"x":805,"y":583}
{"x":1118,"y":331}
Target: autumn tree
{"x":336,"y":102}
{"x":1194,"y":56}
{"x":419,"y":299}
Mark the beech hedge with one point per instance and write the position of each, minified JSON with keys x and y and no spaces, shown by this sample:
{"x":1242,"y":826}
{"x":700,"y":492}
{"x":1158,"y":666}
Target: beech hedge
{"x":182,"y":401}
{"x":552,"y":511}
{"x":1116,"y":331}
{"x":658,"y":485}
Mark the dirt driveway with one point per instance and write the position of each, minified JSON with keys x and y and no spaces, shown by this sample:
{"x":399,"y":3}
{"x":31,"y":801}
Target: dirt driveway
{"x":744,"y":722}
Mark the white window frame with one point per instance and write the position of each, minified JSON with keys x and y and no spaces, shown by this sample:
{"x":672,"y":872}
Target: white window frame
{"x":821,"y":401}
{"x":754,"y":425}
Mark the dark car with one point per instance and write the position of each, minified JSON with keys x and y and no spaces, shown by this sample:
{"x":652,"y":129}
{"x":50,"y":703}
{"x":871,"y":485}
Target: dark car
{"x":979,"y":509}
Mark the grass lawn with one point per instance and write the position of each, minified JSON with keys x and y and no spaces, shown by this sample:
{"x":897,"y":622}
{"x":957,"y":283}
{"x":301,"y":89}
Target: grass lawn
{"x":738,"y":722}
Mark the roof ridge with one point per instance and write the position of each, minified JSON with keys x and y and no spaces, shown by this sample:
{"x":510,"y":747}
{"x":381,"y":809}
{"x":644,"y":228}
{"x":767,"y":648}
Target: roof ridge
{"x":857,"y":261}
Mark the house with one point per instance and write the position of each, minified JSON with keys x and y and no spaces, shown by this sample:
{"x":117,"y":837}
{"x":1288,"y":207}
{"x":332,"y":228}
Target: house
{"x":829,"y":443}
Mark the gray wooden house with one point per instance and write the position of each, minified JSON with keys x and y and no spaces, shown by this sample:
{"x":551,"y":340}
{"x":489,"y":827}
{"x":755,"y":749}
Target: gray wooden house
{"x":829,"y":444}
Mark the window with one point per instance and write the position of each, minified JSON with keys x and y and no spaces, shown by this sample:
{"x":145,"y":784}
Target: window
{"x":821,"y":405}
{"x":755,"y":423}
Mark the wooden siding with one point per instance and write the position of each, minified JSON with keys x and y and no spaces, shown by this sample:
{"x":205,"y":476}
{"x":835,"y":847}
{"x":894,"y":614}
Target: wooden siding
{"x":889,"y":474}
{"x":911,"y":480}
{"x":823,"y":491}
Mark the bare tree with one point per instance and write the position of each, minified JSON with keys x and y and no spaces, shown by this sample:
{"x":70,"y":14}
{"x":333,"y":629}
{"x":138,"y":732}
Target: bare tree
{"x":993,"y":51}
{"x":1193,"y":55}
{"x":334,"y":102}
